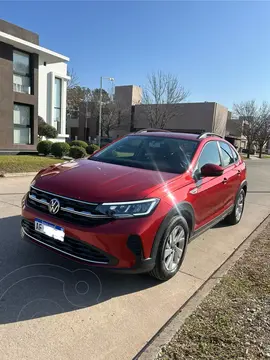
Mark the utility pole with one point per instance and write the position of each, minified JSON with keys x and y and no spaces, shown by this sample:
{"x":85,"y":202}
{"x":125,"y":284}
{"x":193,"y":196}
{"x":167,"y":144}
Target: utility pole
{"x":86,"y":100}
{"x":100,"y":112}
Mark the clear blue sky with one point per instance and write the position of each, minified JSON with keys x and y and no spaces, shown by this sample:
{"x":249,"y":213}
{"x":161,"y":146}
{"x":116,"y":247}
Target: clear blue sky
{"x":219,"y":50}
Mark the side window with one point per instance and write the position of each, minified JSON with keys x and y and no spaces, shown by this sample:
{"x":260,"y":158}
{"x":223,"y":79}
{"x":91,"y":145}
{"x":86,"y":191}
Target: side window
{"x":235,"y":155}
{"x":209,"y":155}
{"x":226,"y":153}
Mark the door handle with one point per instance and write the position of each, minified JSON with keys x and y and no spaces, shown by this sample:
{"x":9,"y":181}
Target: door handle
{"x":225,"y":181}
{"x":238,"y":172}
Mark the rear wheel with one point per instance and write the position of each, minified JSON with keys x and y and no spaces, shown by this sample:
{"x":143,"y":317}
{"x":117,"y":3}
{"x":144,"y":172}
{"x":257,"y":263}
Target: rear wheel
{"x":238,"y":209}
{"x":172,"y":249}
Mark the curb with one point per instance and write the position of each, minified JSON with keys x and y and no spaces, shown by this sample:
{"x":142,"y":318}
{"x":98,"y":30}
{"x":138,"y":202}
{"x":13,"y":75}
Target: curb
{"x":11,"y":175}
{"x":173,"y":325}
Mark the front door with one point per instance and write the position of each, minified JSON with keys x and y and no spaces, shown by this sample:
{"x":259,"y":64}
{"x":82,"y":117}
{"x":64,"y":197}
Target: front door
{"x":209,"y":192}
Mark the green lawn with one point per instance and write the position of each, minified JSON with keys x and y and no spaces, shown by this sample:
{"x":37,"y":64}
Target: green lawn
{"x":24,"y":163}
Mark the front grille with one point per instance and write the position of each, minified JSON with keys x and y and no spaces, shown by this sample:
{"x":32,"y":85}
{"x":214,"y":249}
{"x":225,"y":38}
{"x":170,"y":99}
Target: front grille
{"x":73,"y":211}
{"x":70,"y":246}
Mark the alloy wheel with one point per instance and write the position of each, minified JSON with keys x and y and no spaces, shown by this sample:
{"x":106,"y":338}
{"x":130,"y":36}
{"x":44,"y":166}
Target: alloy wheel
{"x":239,"y":206}
{"x":174,"y":248}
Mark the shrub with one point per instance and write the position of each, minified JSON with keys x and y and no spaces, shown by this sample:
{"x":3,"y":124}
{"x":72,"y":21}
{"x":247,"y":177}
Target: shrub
{"x":79,"y":143}
{"x":77,"y":152}
{"x":41,"y":122}
{"x":44,"y":147}
{"x":92,"y":148}
{"x":48,"y":131}
{"x":59,"y":149}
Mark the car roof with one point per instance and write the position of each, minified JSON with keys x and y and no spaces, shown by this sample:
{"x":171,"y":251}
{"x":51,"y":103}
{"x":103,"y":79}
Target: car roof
{"x":175,"y":135}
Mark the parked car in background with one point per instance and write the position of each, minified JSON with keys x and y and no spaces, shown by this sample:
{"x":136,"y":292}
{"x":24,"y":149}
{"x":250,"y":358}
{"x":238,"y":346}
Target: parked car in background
{"x":135,"y":205}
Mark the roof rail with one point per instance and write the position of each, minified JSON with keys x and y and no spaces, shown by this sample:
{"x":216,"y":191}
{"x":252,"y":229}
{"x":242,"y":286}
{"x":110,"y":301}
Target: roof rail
{"x":151,"y":130}
{"x":207,"y":134}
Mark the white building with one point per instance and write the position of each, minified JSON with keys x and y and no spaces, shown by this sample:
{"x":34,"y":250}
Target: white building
{"x":52,"y":103}
{"x":33,"y":82}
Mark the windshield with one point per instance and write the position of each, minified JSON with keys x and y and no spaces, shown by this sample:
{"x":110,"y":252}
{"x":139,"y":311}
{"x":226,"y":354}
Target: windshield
{"x":147,"y":152}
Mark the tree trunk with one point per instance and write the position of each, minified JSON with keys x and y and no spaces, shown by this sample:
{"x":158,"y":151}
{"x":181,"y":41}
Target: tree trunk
{"x":248,"y":150}
{"x":260,"y":151}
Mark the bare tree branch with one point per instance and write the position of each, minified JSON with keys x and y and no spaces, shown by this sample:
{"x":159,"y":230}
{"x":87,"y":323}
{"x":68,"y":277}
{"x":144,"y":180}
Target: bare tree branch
{"x":254,"y":121}
{"x":74,"y":80}
{"x":263,"y":134}
{"x":161,"y":94}
{"x":113,"y":115}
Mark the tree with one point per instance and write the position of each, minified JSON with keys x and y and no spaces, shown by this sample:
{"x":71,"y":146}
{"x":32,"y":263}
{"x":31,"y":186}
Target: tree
{"x":254,"y":122}
{"x":112,"y":116}
{"x":74,"y":80}
{"x":263,"y":134}
{"x":75,"y":96}
{"x":96,"y":96}
{"x":161,"y":94}
{"x":93,"y":105}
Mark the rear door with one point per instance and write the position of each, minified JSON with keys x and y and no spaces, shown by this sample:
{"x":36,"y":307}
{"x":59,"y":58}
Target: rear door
{"x":231,"y":175}
{"x":208,"y":196}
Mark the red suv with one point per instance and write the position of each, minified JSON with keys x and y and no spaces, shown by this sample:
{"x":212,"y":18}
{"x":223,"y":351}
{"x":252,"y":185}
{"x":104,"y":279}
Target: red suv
{"x":135,"y":204}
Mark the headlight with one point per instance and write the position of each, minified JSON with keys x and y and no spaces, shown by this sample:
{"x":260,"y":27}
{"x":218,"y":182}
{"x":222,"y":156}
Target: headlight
{"x":128,"y":209}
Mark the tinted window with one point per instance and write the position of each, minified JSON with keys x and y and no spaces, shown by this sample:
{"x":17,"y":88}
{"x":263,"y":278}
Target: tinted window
{"x":149,"y":152}
{"x":226,"y":154}
{"x":209,"y":155}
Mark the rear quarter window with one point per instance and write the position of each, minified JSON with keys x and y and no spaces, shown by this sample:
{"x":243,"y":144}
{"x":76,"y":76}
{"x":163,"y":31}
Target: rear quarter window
{"x":235,"y":154}
{"x":226,"y":153}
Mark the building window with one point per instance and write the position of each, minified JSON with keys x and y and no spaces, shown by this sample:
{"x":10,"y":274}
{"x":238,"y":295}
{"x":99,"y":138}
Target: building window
{"x":57,"y":104}
{"x":21,"y":72}
{"x":22,"y":124}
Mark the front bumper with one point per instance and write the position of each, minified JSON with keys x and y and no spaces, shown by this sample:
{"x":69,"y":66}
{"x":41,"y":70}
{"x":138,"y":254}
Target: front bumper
{"x":123,"y":245}
{"x":140,"y":266}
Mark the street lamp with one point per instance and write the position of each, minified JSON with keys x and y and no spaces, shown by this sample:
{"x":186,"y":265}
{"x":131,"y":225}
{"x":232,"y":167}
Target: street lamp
{"x":100,"y":106}
{"x":87,"y":98}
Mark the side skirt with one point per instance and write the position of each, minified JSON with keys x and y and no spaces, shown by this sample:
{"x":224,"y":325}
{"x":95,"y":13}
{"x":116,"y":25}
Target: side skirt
{"x":212,"y":223}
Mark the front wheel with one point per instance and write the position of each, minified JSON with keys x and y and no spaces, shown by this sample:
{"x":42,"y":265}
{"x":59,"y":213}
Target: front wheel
{"x":172,"y":249}
{"x":238,"y":209}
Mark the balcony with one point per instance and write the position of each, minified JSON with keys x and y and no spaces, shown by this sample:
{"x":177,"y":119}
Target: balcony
{"x":21,"y":88}
{"x":21,"y":84}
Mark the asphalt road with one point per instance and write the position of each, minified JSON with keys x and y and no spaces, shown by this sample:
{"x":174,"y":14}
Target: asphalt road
{"x":53,"y":308}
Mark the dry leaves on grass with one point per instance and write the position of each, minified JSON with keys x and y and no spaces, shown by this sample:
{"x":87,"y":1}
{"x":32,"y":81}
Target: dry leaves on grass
{"x":233,"y":322}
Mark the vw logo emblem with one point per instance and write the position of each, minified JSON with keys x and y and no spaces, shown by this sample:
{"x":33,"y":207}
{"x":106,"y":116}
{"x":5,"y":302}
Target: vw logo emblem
{"x":54,"y":206}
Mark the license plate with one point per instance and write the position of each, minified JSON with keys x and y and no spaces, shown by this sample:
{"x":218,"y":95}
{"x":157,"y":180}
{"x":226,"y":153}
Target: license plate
{"x":54,"y":231}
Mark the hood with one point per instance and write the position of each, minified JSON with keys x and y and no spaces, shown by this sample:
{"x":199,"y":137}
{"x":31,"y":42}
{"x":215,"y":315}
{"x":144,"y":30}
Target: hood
{"x":95,"y":181}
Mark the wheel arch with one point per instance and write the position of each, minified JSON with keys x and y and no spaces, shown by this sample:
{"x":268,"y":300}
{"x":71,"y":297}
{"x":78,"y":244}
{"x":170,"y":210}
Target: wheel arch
{"x":183,"y":209}
{"x":243,"y":186}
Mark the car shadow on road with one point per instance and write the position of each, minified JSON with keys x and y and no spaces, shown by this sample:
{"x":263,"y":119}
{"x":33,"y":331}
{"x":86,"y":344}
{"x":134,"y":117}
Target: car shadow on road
{"x":36,"y":282}
{"x":221,"y":224}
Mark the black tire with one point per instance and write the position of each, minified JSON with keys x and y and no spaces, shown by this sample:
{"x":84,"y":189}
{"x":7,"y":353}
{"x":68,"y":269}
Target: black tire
{"x":234,"y":218}
{"x":160,"y":271}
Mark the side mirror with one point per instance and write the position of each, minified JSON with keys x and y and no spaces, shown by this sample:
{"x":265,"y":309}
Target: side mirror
{"x":211,"y":170}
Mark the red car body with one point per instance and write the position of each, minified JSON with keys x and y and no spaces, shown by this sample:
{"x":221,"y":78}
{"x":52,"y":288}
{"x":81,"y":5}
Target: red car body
{"x":129,"y":244}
